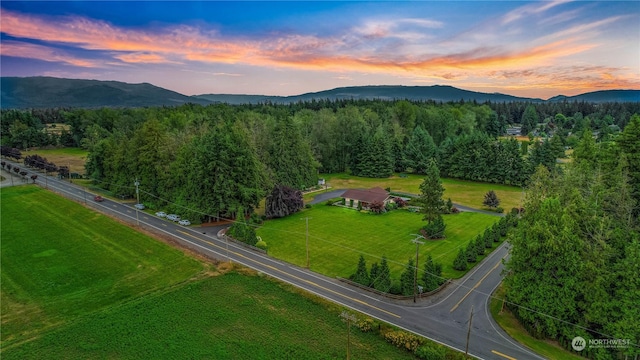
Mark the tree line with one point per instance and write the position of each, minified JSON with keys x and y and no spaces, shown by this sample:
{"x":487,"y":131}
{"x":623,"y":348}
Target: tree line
{"x":575,"y":254}
{"x":217,"y":159}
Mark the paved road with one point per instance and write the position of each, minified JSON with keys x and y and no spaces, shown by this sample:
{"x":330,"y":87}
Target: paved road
{"x":443,"y":318}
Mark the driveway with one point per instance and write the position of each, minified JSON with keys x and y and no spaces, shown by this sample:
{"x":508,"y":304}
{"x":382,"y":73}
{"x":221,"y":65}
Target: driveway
{"x":326,"y":196}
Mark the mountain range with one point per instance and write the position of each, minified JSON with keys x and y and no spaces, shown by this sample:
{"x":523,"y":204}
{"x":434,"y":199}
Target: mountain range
{"x":49,"y":92}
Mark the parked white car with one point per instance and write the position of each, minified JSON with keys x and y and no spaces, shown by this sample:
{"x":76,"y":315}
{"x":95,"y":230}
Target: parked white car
{"x":184,"y":222}
{"x":173,"y":217}
{"x":139,"y":206}
{"x":161,"y":214}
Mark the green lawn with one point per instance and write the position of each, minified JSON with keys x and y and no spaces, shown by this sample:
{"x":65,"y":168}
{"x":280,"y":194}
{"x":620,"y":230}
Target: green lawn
{"x":61,"y":261}
{"x":337,"y":237}
{"x":508,"y":322}
{"x":468,"y":193}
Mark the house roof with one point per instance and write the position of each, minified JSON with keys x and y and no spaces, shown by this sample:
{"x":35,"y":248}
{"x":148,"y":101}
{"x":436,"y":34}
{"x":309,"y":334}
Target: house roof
{"x":367,"y":195}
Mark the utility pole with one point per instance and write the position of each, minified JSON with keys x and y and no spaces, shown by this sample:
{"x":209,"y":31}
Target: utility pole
{"x":466,"y":350}
{"x":349,"y":318}
{"x":415,"y":277}
{"x":137,"y":183}
{"x":307,"y":220}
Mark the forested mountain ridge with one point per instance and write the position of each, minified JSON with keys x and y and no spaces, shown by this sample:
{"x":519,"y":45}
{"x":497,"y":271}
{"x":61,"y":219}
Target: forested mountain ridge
{"x":49,"y":92}
{"x":381,"y":92}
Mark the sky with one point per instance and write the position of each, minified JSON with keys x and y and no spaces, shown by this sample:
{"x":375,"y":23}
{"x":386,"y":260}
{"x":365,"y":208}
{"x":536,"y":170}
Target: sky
{"x":533,"y":49}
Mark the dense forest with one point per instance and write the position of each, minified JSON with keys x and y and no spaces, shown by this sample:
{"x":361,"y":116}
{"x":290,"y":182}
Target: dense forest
{"x":575,"y":254}
{"x":217,"y":159}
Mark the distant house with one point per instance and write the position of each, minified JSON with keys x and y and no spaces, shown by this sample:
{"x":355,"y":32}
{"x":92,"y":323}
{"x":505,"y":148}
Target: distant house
{"x":364,"y":197}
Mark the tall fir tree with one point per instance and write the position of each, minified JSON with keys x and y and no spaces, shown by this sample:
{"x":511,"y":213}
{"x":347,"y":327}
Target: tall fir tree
{"x":431,"y":191}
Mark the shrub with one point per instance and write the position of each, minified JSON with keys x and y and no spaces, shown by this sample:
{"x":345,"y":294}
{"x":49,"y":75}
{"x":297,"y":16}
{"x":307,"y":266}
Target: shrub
{"x":455,"y":210}
{"x":499,"y":210}
{"x":396,"y":288}
{"x":261,"y":244}
{"x":376,"y":207}
{"x":243,"y":232}
{"x":307,"y":206}
{"x":431,"y":352}
{"x":405,"y":340}
{"x":400,"y":202}
{"x":365,"y":325}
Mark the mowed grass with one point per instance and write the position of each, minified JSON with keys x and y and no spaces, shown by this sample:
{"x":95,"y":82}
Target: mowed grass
{"x":61,"y":260}
{"x":337,"y":237}
{"x":77,"y":285}
{"x":75,"y":158}
{"x":468,"y":193}
{"x":508,"y":322}
{"x":233,"y":316}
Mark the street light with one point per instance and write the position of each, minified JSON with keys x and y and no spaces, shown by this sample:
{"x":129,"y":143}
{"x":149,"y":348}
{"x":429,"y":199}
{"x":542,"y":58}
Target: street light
{"x":415,"y":277}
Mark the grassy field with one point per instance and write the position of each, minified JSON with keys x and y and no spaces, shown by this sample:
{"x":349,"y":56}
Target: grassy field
{"x":233,"y":316}
{"x":79,"y":285}
{"x":57,"y":267}
{"x":72,"y":157}
{"x":508,"y":322}
{"x":468,"y":193}
{"x":337,"y":237}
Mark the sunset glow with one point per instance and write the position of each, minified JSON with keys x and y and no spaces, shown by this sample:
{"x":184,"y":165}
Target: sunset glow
{"x":534,"y":49}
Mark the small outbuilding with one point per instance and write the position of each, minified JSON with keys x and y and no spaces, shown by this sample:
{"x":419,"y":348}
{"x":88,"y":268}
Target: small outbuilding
{"x":365,"y":197}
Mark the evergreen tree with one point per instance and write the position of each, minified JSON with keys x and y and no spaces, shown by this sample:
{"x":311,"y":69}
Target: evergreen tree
{"x":290,"y":157}
{"x":471,"y":252}
{"x":435,"y":229}
{"x":460,"y":262}
{"x":362,"y":275}
{"x":431,"y":191}
{"x":432,"y":275}
{"x":491,"y":199}
{"x":383,"y":281}
{"x":419,"y":151}
{"x":407,"y":279}
{"x":374,"y":274}
{"x":529,"y":120}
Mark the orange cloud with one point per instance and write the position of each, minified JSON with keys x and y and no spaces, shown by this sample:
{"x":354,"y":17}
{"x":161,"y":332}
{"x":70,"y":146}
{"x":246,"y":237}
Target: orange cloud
{"x":357,"y":52}
{"x":33,"y":51}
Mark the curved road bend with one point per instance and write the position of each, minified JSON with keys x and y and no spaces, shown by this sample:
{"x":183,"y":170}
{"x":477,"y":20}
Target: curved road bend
{"x":443,"y":319}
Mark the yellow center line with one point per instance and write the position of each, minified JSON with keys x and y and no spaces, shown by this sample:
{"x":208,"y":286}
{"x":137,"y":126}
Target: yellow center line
{"x":475,"y":286}
{"x":503,"y":355}
{"x":293,"y":276}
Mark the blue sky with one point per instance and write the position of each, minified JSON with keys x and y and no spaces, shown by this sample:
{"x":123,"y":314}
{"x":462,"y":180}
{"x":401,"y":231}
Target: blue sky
{"x":536,"y":49}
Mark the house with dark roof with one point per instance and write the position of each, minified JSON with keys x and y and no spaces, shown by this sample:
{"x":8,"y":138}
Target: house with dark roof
{"x":365,"y":197}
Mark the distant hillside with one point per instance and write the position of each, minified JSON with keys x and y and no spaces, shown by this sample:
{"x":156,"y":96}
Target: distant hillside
{"x":602,"y":96}
{"x":416,"y":93}
{"x":47,"y":92}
